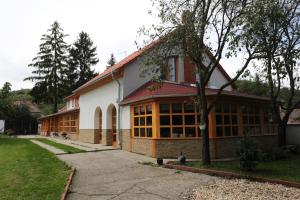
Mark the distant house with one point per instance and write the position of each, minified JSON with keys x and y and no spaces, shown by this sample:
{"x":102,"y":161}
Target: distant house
{"x":293,"y":128}
{"x":117,"y":108}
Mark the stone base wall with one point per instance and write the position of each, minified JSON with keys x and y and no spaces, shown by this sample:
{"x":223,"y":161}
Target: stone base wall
{"x":88,"y":136}
{"x":167,"y":148}
{"x":227,"y":147}
{"x":107,"y":137}
{"x":142,"y":146}
{"x":125,"y":139}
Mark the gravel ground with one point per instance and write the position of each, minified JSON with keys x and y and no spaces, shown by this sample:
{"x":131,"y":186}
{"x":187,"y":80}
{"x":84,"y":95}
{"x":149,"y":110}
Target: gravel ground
{"x":225,"y":189}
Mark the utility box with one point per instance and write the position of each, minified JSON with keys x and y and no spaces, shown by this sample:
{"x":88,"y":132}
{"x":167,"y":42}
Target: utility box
{"x":2,"y":126}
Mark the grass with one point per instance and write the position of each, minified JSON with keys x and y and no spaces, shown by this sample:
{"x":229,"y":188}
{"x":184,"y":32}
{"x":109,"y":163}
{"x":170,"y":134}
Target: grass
{"x":65,"y":148}
{"x":287,"y":169}
{"x":29,"y":172}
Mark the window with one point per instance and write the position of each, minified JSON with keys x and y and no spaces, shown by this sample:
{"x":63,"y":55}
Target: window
{"x":142,"y":121}
{"x":270,"y":125}
{"x":169,"y":72}
{"x":68,"y":123}
{"x":178,"y":120}
{"x":226,"y":120}
{"x":251,"y":119}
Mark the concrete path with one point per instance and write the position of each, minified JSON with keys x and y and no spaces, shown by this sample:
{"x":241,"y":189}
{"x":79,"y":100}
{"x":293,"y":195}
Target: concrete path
{"x":81,"y":145}
{"x":120,"y":175}
{"x":48,"y":147}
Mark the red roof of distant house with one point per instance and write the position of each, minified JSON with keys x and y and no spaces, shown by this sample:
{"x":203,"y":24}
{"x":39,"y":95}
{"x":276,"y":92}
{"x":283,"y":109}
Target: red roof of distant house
{"x":33,"y":108}
{"x":170,"y":89}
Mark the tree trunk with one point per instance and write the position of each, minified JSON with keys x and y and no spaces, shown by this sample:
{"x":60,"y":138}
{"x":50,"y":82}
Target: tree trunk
{"x":282,"y":133}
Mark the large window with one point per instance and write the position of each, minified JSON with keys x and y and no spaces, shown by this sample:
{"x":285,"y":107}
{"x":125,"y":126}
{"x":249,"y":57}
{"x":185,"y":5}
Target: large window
{"x":169,"y":72}
{"x":142,"y":120}
{"x":226,"y":120}
{"x":251,"y":119}
{"x":68,"y":123}
{"x":178,"y":120}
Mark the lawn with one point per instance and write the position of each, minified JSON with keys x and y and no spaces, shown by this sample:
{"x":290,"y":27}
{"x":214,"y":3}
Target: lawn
{"x":65,"y":148}
{"x":29,"y":172}
{"x":287,"y":169}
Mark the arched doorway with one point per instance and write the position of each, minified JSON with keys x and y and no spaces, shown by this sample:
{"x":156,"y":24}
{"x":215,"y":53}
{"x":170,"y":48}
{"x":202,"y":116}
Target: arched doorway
{"x":112,"y":124}
{"x":98,"y":124}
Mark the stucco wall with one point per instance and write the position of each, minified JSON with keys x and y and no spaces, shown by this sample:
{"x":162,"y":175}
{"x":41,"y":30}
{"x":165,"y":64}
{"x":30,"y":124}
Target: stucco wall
{"x":293,"y":134}
{"x":102,"y":97}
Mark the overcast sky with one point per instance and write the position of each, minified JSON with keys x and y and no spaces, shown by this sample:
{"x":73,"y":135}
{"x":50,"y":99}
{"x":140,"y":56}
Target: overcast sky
{"x":111,"y":24}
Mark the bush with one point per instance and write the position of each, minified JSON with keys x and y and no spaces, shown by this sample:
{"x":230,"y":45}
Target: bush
{"x":294,"y":149}
{"x":274,"y":154}
{"x":248,"y":154}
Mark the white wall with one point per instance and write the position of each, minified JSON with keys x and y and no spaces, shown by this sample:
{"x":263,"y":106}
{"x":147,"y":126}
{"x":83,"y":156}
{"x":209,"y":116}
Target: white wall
{"x":102,"y":97}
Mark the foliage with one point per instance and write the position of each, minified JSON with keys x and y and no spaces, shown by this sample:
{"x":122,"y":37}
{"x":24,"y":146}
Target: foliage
{"x":111,"y":61}
{"x":6,"y":89}
{"x":50,"y":66}
{"x":82,"y":56}
{"x":274,"y":153}
{"x":248,"y":154}
{"x":272,"y":27}
{"x":29,"y":171}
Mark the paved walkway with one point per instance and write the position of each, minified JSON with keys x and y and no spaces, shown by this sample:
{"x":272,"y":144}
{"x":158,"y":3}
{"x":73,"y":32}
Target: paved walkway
{"x":48,"y":147}
{"x":120,"y":175}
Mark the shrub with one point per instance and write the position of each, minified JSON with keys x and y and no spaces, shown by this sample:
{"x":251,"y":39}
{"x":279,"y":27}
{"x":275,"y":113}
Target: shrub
{"x":294,"y":149}
{"x":274,"y":154}
{"x":248,"y":154}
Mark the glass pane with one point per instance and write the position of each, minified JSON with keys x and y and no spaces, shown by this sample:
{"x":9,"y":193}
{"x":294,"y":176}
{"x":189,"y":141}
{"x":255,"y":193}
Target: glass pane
{"x":218,"y":108}
{"x":226,"y":108}
{"x":177,"y":132}
{"x":149,"y":109}
{"x":226,"y":119}
{"x":189,"y":119}
{"x":149,"y":132}
{"x":219,"y":119}
{"x":234,"y":130}
{"x":149,"y":120}
{"x":142,"y":132}
{"x":164,"y":120}
{"x":188,"y":107}
{"x":136,"y":121}
{"x":190,"y":131}
{"x":257,"y":120}
{"x":164,"y":108}
{"x":244,"y":109}
{"x":219,"y":131}
{"x":233,"y":109}
{"x":245,"y":120}
{"x":177,"y":120}
{"x":136,"y":110}
{"x":142,"y":121}
{"x":165,"y":132}
{"x":142,"y":111}
{"x":177,"y":108}
{"x":227,"y":131}
{"x":233,"y":119}
{"x":251,"y":119}
{"x":136,"y":132}
{"x":172,"y":68}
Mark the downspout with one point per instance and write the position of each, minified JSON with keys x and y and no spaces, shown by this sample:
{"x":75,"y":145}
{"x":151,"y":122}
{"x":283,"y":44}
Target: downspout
{"x":119,"y":114}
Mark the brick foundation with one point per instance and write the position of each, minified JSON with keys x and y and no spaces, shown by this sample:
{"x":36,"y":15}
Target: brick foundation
{"x":125,"y":139}
{"x":142,"y":146}
{"x":89,"y":136}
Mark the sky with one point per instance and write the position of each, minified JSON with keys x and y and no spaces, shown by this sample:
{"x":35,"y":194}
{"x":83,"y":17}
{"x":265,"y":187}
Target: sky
{"x":112,"y":25}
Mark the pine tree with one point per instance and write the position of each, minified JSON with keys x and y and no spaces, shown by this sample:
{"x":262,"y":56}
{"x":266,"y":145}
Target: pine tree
{"x":82,"y":56}
{"x":111,"y":61}
{"x":5,"y":91}
{"x":50,"y":65}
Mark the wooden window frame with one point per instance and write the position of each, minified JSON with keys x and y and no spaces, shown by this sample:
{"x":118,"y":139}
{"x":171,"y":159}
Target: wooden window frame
{"x":145,"y":116}
{"x":195,"y":113}
{"x":224,"y":125}
{"x":251,"y":116}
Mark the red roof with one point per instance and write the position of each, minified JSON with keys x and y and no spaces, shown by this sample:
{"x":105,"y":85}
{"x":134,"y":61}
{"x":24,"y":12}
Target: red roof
{"x":170,"y":89}
{"x":117,"y":66}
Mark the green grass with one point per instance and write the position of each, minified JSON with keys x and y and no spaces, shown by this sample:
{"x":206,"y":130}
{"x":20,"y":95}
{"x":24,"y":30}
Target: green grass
{"x":65,"y":148}
{"x":287,"y":169}
{"x":29,"y":172}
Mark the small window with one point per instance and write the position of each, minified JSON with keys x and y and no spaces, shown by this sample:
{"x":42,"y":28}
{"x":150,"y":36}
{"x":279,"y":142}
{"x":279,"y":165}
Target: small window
{"x":164,"y":108}
{"x":165,"y":132}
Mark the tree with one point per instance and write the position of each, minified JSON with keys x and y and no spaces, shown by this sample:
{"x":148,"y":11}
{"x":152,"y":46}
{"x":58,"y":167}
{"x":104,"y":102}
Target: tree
{"x":6,"y":89}
{"x":274,"y":30}
{"x":82,"y":56}
{"x":111,"y":61}
{"x":198,"y":28}
{"x":50,"y":64}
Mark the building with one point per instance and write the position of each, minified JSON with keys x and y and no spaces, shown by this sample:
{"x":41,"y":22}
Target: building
{"x":117,"y":108}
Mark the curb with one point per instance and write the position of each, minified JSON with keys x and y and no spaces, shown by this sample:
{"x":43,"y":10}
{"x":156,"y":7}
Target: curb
{"x":229,"y":175}
{"x":69,"y":181}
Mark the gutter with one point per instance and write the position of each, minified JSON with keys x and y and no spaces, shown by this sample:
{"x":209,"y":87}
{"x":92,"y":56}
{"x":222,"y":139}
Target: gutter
{"x":119,"y":108}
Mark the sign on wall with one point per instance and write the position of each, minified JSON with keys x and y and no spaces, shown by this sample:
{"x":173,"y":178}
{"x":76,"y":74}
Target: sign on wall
{"x":2,"y":125}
